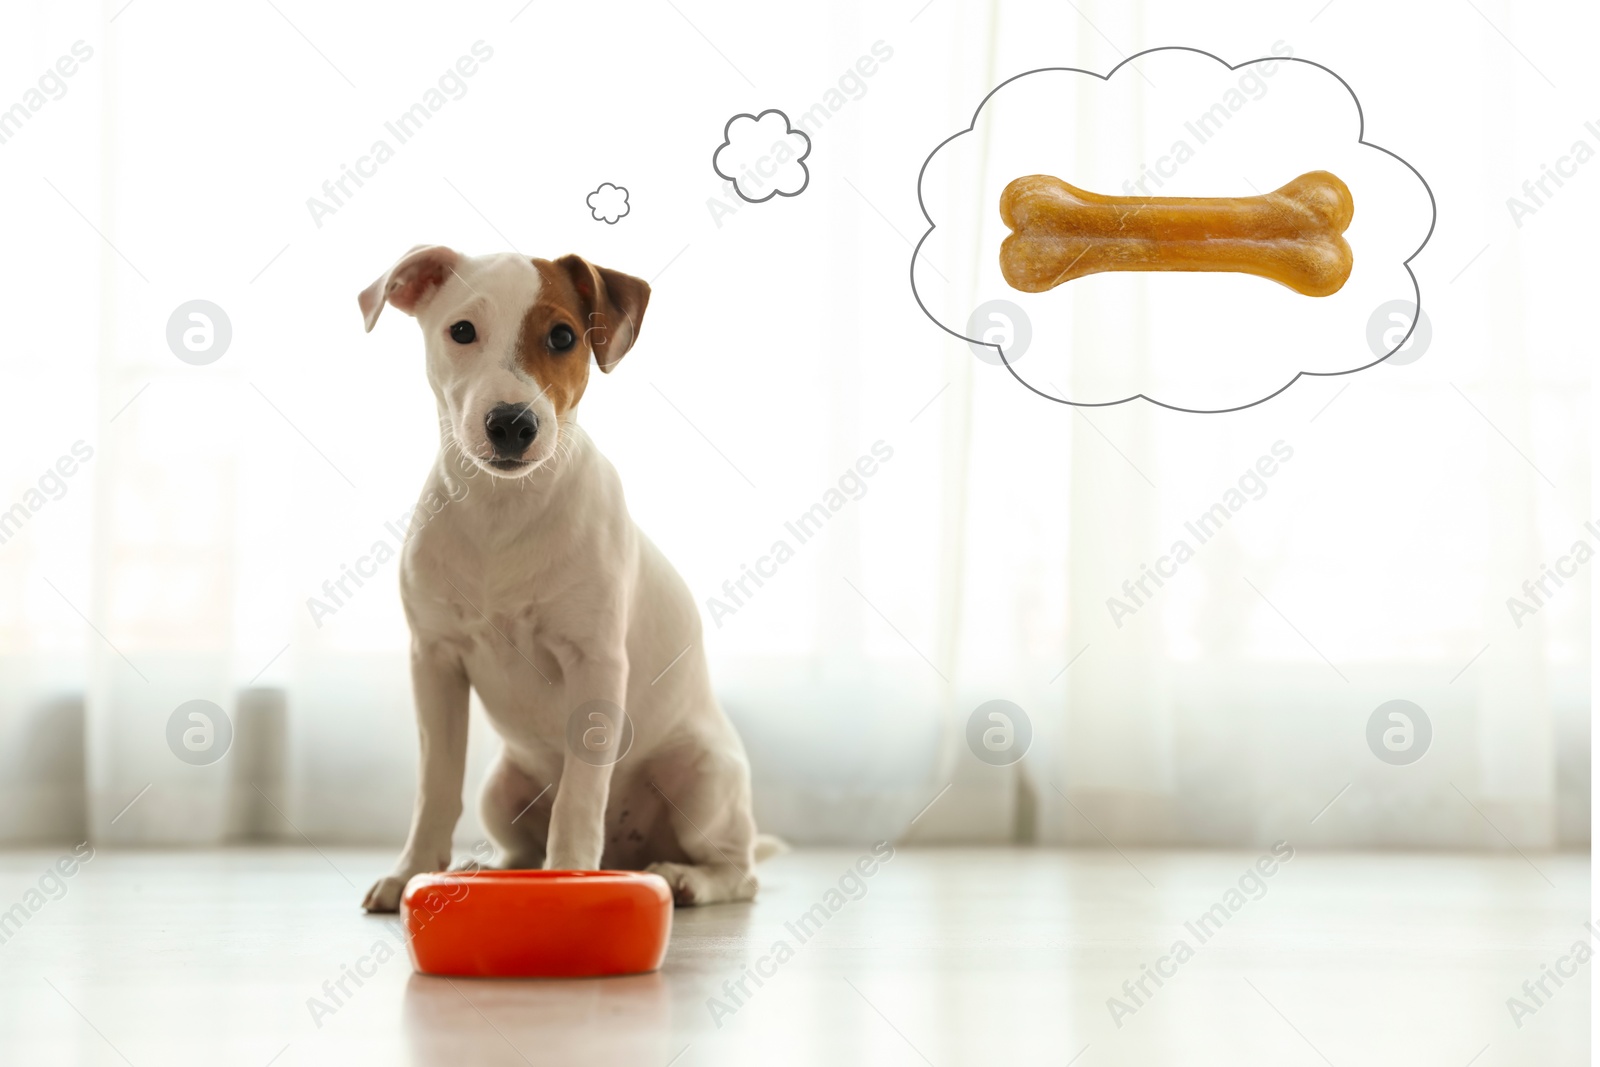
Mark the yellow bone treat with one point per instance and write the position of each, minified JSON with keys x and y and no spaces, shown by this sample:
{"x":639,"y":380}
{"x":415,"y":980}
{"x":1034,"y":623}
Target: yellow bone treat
{"x":1292,"y":235}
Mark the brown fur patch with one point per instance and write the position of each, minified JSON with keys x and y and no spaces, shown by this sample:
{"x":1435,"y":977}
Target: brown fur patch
{"x":563,"y":375}
{"x":604,"y":308}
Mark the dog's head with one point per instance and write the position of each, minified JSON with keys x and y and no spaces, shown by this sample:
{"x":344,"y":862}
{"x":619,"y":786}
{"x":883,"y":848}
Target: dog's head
{"x":509,"y":341}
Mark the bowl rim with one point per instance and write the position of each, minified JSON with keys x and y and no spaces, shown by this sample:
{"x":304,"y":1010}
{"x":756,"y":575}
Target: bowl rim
{"x":535,"y":878}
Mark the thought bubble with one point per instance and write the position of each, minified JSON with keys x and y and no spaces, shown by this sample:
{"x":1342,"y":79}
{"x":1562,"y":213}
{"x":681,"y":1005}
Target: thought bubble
{"x":763,"y":156}
{"x":1170,"y":122}
{"x":608,"y":203}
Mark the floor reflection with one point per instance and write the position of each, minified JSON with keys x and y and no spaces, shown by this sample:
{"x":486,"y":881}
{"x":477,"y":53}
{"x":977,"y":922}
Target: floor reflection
{"x":628,"y":1019}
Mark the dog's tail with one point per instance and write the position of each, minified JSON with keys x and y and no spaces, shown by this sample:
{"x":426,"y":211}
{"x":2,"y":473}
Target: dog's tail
{"x":770,"y":845}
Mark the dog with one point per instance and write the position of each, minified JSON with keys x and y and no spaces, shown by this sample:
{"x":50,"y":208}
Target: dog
{"x":524,"y":578}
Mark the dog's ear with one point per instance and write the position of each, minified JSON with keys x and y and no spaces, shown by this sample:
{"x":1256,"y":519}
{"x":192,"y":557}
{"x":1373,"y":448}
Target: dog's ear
{"x":409,"y":283}
{"x":613,"y":307}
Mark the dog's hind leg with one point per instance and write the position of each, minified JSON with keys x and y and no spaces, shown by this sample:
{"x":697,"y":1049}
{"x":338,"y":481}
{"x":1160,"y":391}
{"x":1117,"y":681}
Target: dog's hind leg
{"x":515,"y":810}
{"x":707,"y":799}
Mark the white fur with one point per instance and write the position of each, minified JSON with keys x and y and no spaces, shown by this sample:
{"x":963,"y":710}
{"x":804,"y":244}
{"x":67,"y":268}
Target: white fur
{"x":537,"y":590}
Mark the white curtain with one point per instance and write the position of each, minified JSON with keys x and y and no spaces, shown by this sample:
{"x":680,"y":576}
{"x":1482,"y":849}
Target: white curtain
{"x":781,"y":346}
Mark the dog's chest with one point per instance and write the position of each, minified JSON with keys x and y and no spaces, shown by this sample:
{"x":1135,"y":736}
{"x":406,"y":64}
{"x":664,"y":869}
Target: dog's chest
{"x":500,"y":612}
{"x":507,"y":634}
{"x":515,"y":589}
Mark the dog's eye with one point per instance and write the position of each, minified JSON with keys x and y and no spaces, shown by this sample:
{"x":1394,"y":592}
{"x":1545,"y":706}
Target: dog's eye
{"x":562,"y":338}
{"x":462,"y":333}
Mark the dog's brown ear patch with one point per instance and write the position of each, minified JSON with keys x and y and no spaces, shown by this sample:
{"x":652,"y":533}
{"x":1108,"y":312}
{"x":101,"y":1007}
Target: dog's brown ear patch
{"x":408,"y":283}
{"x":612,"y":305}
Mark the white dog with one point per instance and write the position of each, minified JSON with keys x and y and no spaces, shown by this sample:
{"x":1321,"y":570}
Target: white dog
{"x":532,"y":585}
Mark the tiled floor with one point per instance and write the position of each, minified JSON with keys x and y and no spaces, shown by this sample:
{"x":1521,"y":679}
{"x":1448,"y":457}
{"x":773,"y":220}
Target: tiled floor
{"x":944,"y":957}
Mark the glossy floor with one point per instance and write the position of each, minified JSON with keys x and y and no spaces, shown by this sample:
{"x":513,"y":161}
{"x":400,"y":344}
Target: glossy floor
{"x":941,"y":957}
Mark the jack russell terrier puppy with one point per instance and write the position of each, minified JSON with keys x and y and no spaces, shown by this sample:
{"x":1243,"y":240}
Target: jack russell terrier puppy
{"x":533,"y":586}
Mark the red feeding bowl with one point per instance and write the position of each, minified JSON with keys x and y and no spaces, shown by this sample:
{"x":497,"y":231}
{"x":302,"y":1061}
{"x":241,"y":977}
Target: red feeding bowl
{"x":537,"y":924}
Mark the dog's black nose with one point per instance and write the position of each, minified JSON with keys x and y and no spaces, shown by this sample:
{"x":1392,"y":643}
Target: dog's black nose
{"x":511,"y":429}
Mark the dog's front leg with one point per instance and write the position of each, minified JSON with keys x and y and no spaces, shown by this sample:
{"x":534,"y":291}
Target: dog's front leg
{"x":594,"y":744}
{"x":440,"y":686}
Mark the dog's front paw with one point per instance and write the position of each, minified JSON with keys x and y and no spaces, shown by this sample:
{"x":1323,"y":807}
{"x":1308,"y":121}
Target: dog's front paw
{"x":689,"y":884}
{"x":385,"y":893}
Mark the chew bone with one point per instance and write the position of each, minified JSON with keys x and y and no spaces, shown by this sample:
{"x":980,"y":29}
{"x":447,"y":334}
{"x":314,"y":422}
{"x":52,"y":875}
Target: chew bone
{"x":1291,"y":236}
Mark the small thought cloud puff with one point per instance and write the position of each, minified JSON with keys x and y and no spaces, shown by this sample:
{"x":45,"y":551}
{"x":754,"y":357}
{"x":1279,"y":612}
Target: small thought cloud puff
{"x":608,"y":203}
{"x":763,"y":156}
